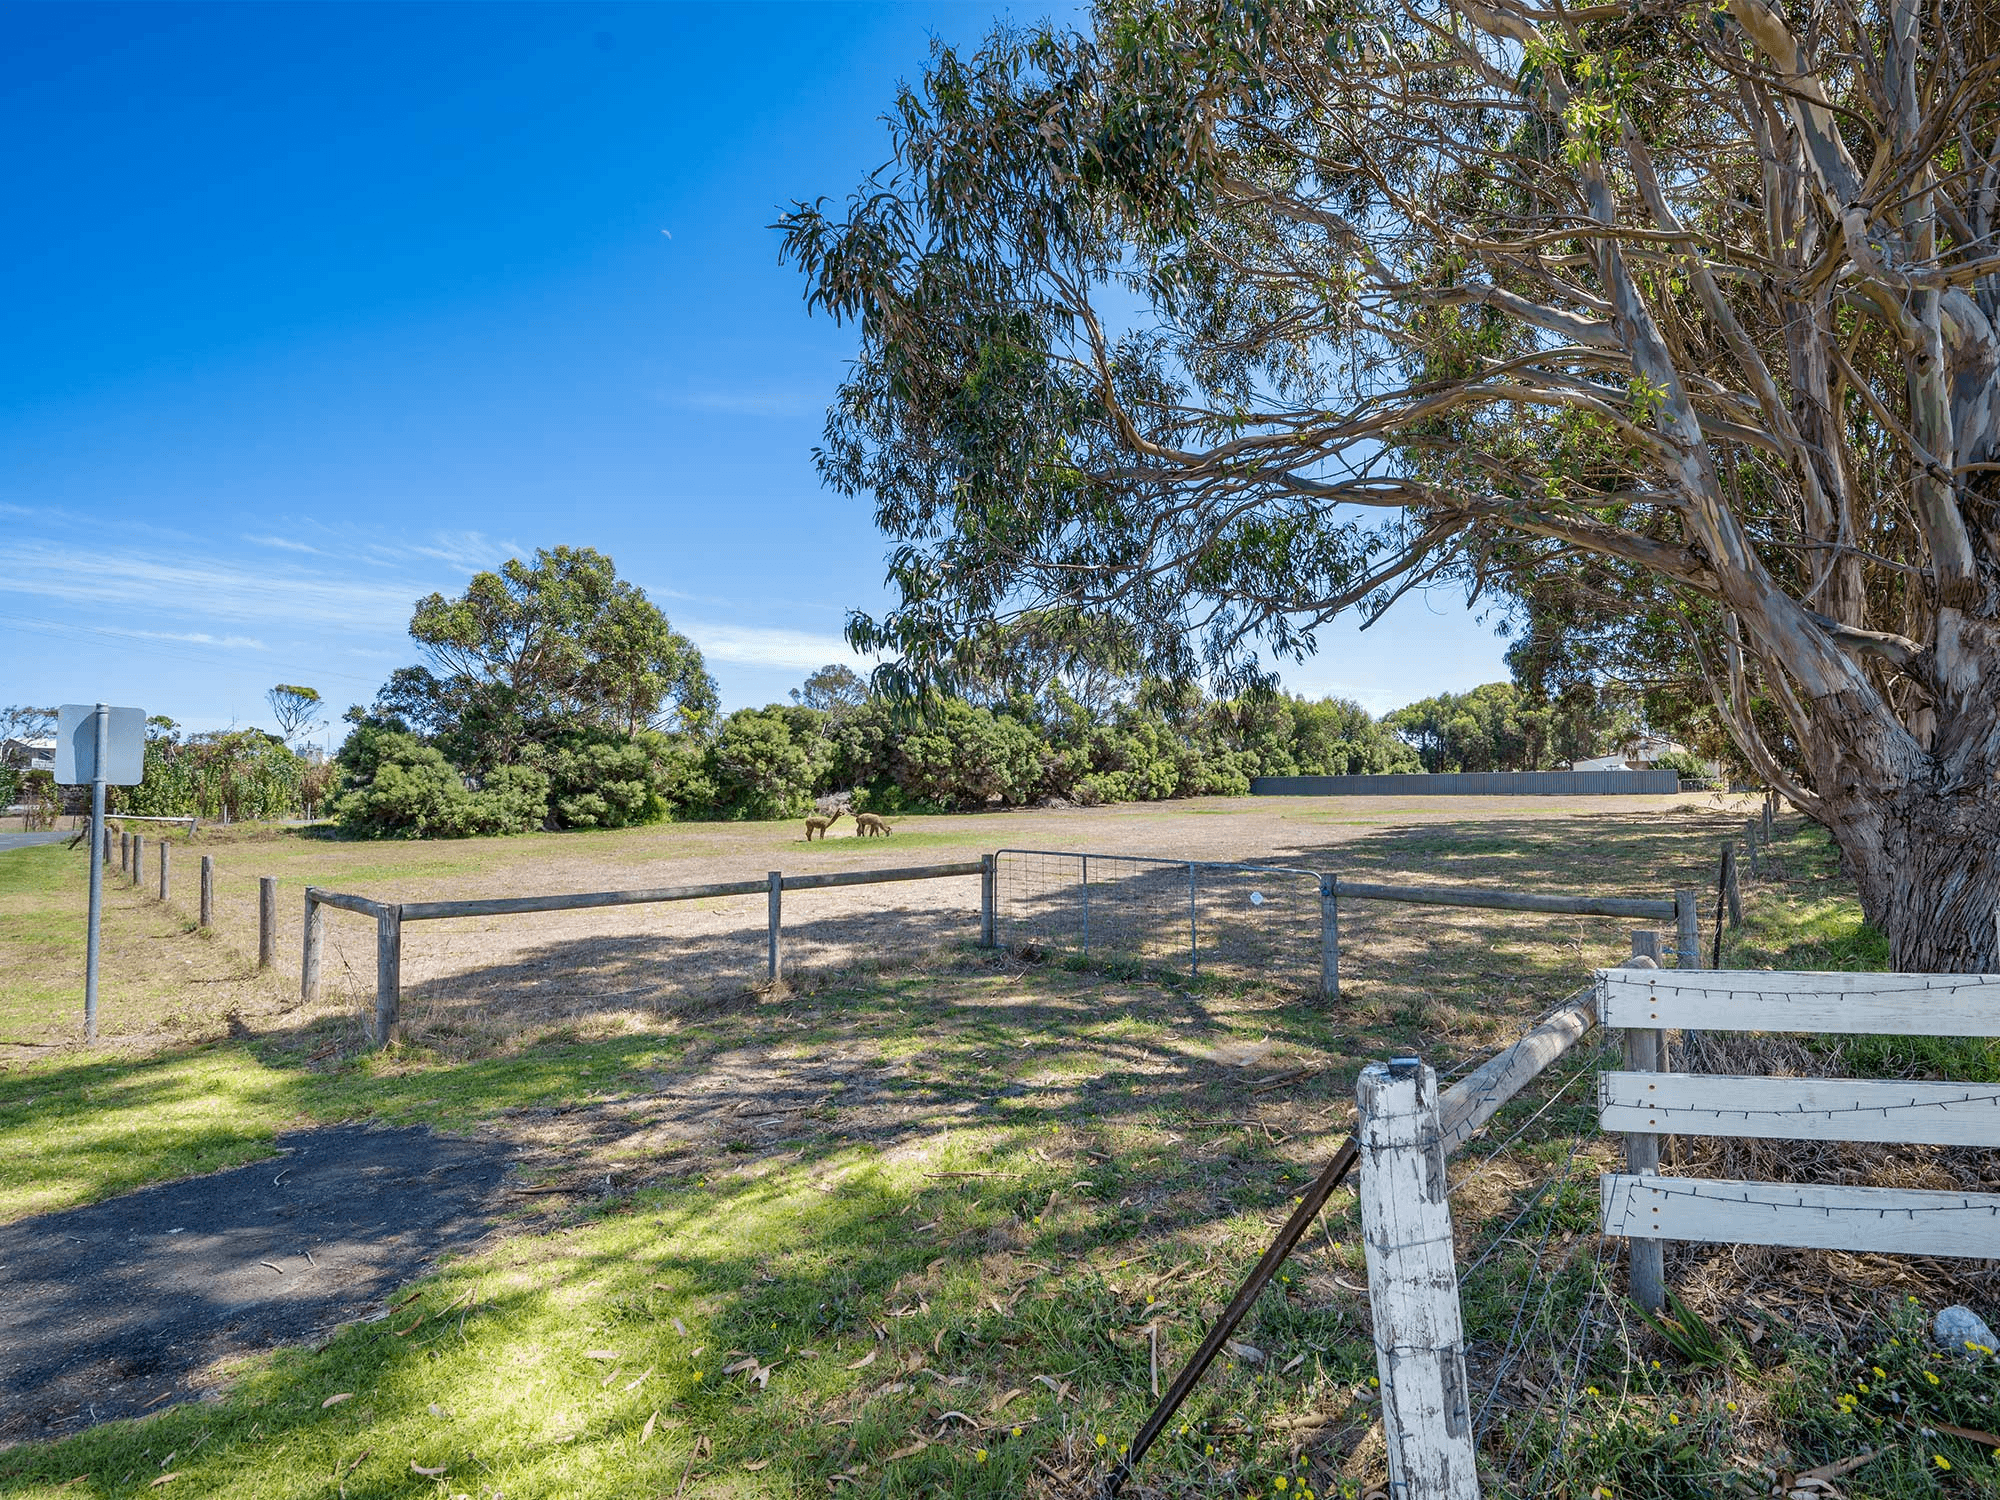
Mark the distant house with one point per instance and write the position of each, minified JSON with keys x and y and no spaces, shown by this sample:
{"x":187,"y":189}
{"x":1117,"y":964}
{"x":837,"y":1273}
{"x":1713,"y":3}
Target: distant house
{"x":1636,"y":754}
{"x":29,"y":755}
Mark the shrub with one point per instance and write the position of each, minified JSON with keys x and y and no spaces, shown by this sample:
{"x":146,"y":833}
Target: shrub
{"x":230,"y":775}
{"x":601,"y":779}
{"x":964,"y":757}
{"x":399,"y":787}
{"x":1684,"y":763}
{"x":760,"y":769}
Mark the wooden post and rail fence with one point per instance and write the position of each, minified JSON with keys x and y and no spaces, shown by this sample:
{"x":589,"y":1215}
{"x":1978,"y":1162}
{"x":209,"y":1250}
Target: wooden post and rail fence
{"x":389,"y":917}
{"x":1682,"y":909}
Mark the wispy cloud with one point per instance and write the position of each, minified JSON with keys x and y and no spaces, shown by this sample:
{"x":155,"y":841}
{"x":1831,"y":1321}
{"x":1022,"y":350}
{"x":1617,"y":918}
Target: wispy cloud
{"x":285,"y":544}
{"x":751,"y":403}
{"x":465,"y":551}
{"x":469,"y":551}
{"x":762,"y":646}
{"x":198,"y":637}
{"x":204,"y":587}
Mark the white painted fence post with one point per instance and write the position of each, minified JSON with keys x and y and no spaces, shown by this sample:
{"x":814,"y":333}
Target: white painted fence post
{"x":1413,"y":1284}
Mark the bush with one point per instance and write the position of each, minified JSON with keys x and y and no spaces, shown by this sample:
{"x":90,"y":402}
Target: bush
{"x":229,"y":775}
{"x":1684,"y":763}
{"x":760,"y":769}
{"x":600,"y":779}
{"x":964,"y":757}
{"x":399,"y":787}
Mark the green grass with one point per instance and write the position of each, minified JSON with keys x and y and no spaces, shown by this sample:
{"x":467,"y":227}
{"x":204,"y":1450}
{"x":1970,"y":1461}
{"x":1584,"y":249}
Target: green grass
{"x":1082,"y":1218}
{"x":1023,"y":1169}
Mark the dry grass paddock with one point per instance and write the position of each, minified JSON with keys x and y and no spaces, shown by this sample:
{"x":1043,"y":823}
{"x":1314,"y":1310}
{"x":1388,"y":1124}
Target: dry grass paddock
{"x":471,"y":983}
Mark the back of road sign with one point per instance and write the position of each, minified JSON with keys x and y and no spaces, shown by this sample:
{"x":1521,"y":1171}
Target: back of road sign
{"x":76,"y":745}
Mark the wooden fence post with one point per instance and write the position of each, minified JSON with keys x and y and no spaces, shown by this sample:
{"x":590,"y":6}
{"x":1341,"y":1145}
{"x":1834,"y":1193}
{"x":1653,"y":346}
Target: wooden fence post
{"x":208,"y":890}
{"x":105,"y":833}
{"x":267,"y":921}
{"x":1083,"y":881}
{"x":1329,"y":937}
{"x":1768,"y":830}
{"x":776,"y":906}
{"x":138,"y":860}
{"x":1750,"y":845}
{"x":989,"y":899}
{"x":1645,"y":1052}
{"x":1413,"y":1284}
{"x":388,"y":972}
{"x":124,"y":852}
{"x":1687,"y":929}
{"x":166,"y":849}
{"x":1194,"y":934}
{"x":1646,"y":944}
{"x":1731,"y":892}
{"x":315,"y":936}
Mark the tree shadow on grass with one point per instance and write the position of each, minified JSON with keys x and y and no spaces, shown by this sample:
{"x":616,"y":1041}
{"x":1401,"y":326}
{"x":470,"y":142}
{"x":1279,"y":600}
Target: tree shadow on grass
{"x":118,"y":1307}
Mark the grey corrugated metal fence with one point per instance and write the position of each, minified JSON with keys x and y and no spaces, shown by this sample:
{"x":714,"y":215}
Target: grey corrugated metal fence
{"x":1472,"y":784}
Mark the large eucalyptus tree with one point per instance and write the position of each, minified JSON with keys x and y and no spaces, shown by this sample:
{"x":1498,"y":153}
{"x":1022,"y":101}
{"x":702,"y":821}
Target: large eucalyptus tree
{"x":1222,"y":319}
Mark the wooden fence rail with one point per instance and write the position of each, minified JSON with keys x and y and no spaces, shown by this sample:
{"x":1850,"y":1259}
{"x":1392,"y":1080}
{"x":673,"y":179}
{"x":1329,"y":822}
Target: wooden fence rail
{"x":1471,"y":895}
{"x":390,"y":916}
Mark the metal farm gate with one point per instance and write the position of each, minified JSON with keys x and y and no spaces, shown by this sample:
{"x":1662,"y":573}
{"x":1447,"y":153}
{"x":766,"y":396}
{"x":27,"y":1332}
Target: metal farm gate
{"x":1238,"y":921}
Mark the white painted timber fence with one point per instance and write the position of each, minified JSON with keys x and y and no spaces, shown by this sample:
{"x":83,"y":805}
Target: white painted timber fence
{"x":390,"y":916}
{"x":1407,"y":1130}
{"x":1648,"y":1206}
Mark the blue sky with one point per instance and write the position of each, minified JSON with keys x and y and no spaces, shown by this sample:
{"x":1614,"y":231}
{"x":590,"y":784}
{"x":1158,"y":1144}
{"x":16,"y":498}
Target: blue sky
{"x":317,"y":309}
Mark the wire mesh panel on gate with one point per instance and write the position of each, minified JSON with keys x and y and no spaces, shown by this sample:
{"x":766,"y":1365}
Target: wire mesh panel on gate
{"x":1238,"y":922}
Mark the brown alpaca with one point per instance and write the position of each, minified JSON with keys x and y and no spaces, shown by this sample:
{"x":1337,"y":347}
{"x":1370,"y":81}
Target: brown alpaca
{"x":870,"y":823}
{"x":818,"y":823}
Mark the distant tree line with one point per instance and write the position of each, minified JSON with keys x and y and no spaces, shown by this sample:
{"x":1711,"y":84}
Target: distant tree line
{"x":555,"y":695}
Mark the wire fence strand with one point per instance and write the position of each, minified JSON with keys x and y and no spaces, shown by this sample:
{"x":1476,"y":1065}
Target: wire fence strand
{"x":1192,"y":917}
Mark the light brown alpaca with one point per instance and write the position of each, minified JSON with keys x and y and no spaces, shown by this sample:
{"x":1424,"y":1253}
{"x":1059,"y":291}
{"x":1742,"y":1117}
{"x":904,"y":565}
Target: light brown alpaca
{"x":818,"y":823}
{"x":870,"y":823}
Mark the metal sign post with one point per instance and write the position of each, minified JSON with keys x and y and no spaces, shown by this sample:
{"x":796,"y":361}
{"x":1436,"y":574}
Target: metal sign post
{"x":105,"y":746}
{"x":99,"y":734}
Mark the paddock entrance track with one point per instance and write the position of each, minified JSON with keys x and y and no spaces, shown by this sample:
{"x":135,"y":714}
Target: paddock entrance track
{"x":127,"y":1305}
